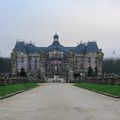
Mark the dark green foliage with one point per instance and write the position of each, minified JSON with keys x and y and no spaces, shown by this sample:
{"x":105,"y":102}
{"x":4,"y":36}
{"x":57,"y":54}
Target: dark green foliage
{"x":95,"y":71}
{"x":76,"y":75}
{"x":23,"y":73}
{"x":5,"y":65}
{"x":18,"y":73}
{"x":111,"y":66}
{"x":90,"y":71}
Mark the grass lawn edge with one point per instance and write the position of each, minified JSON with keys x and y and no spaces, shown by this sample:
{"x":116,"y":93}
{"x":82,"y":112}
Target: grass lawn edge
{"x":99,"y":92}
{"x":17,"y":92}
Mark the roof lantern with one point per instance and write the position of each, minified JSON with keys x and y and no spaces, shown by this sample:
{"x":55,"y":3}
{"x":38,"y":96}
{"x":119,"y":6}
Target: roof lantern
{"x":56,"y":37}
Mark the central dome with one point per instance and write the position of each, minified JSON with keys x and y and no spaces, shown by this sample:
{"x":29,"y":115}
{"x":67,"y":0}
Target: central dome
{"x":56,"y":45}
{"x":56,"y":37}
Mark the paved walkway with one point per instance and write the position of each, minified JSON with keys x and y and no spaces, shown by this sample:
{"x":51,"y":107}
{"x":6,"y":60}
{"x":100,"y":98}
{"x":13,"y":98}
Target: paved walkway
{"x":59,"y":101}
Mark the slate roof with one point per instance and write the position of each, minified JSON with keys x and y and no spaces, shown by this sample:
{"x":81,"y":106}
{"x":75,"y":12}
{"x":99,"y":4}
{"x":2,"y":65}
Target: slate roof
{"x":32,"y":48}
{"x":26,"y":48}
{"x":20,"y":47}
{"x":70,"y":48}
{"x":92,"y":47}
{"x":56,"y":46}
{"x":81,"y":48}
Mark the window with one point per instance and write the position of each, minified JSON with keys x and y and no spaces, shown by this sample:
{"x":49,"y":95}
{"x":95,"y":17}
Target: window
{"x":82,"y":59}
{"x":95,"y":61}
{"x":35,"y":59}
{"x":29,"y":66}
{"x":82,"y":66}
{"x":30,"y":58}
{"x":89,"y":59}
{"x":35,"y":62}
{"x":22,"y":59}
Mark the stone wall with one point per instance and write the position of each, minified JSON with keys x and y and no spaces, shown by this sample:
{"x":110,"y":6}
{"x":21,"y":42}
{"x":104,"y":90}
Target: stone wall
{"x":8,"y":81}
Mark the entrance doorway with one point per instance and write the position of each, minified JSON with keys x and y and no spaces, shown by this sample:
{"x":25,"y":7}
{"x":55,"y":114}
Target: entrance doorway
{"x":56,"y":80}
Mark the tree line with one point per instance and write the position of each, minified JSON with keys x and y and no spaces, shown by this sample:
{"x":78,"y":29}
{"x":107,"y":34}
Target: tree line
{"x":5,"y":65}
{"x":109,"y":65}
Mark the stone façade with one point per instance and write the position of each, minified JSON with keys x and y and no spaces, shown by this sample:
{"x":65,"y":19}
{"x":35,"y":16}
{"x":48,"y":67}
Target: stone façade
{"x":67,"y":62}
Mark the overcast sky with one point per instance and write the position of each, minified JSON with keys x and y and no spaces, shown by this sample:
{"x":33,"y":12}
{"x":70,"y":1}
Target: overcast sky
{"x":73,"y":20}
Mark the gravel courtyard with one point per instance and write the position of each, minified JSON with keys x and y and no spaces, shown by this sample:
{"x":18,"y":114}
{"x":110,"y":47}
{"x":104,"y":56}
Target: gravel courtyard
{"x":59,"y":101}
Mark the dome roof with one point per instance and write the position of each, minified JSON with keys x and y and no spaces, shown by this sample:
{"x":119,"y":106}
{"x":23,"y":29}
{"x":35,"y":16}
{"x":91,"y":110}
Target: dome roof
{"x":56,"y":46}
{"x":56,"y":36}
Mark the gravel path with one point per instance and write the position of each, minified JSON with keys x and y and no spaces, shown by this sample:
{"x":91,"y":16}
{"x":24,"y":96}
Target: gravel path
{"x":59,"y":101}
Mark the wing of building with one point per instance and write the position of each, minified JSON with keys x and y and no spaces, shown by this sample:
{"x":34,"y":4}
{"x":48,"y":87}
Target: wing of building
{"x":56,"y":59}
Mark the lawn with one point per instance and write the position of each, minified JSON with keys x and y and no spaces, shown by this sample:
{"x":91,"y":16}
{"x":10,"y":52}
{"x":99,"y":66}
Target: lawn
{"x":4,"y":90}
{"x":101,"y":88}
